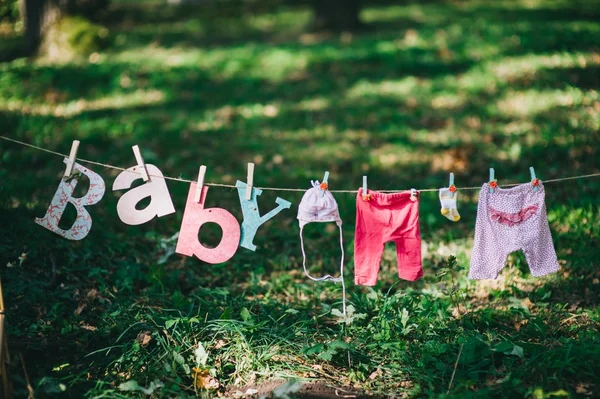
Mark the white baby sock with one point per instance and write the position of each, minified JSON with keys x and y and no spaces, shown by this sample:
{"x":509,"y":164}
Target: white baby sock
{"x":449,"y":208}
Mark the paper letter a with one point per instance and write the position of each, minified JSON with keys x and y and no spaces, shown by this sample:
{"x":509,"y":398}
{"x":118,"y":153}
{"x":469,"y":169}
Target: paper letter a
{"x":155,"y":188}
{"x":63,"y":195}
{"x":194,"y":217}
{"x":252,"y":219}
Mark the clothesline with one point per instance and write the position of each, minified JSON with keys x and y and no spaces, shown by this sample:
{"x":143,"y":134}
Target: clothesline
{"x":276,"y":188}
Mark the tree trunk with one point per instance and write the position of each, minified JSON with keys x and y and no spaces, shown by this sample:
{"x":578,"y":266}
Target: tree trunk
{"x":38,"y":15}
{"x":336,"y":15}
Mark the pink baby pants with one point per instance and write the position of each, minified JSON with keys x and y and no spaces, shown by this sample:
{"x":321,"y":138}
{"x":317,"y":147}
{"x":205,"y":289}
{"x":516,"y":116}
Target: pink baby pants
{"x":509,"y":220}
{"x":384,"y":218}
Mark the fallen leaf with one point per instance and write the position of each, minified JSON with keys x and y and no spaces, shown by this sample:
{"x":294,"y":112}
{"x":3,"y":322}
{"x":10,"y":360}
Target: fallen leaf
{"x":520,"y":324}
{"x":584,"y":389}
{"x":201,"y":355}
{"x":459,"y":311}
{"x":88,"y":327}
{"x":375,"y":374}
{"x":203,"y":379}
{"x":219,"y":344}
{"x":92,"y":294}
{"x":526,"y":303}
{"x":79,"y":309}
{"x":144,"y":338}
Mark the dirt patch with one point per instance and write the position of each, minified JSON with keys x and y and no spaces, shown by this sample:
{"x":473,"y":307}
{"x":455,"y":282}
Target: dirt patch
{"x":297,"y":390}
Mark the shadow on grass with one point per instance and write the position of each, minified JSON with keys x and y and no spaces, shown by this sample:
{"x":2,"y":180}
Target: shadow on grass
{"x":405,"y":103}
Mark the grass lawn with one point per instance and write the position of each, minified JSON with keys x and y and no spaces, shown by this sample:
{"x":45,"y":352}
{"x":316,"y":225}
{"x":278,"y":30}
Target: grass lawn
{"x":426,"y":89}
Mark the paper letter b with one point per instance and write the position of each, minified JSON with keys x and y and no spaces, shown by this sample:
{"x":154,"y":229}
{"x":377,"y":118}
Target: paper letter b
{"x":194,"y":216}
{"x":83,"y":223}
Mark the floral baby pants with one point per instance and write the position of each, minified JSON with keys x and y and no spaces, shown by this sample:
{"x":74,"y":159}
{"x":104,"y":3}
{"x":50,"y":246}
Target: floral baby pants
{"x":509,"y":220}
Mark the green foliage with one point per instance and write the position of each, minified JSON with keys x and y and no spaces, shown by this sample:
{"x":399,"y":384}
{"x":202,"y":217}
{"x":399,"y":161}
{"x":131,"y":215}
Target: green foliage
{"x":431,"y":88}
{"x":73,"y":37}
{"x":83,"y":36}
{"x":9,"y":11}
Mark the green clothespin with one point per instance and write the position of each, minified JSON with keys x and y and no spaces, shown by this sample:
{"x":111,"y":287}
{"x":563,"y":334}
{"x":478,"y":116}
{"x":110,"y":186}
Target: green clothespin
{"x":493,"y":184}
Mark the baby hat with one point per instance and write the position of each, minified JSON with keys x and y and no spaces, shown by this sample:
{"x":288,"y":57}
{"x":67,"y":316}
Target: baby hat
{"x":318,"y":205}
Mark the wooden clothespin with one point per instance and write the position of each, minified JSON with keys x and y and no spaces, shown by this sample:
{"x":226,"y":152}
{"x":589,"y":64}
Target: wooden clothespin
{"x":200,"y":183}
{"x":141,"y":166}
{"x":413,"y":195}
{"x":249,"y":181}
{"x":324,"y":184}
{"x":72,"y":158}
{"x":452,"y":187}
{"x":493,"y":184}
{"x":534,"y":180}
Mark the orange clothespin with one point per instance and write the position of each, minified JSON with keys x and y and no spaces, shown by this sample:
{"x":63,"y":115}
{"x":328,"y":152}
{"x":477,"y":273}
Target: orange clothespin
{"x":452,"y":187}
{"x":324,"y":185}
{"x":534,"y":180}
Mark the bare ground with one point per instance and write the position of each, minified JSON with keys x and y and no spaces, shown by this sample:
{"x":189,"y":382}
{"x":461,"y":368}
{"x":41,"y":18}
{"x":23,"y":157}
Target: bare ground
{"x":298,"y":390}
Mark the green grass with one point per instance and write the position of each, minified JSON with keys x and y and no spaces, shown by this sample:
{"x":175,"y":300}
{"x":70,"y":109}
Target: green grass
{"x":427,"y":89}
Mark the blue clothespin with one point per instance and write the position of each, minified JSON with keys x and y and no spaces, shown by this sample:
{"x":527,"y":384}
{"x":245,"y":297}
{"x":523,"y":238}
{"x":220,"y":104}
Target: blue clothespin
{"x":365,"y":192}
{"x":325,"y":178}
{"x":451,"y":185}
{"x":534,"y":180}
{"x":492,"y":180}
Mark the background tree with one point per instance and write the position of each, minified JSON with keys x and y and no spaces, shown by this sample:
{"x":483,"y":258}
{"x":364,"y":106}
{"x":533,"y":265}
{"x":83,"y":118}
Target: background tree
{"x":337,"y":15}
{"x":39,"y":15}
